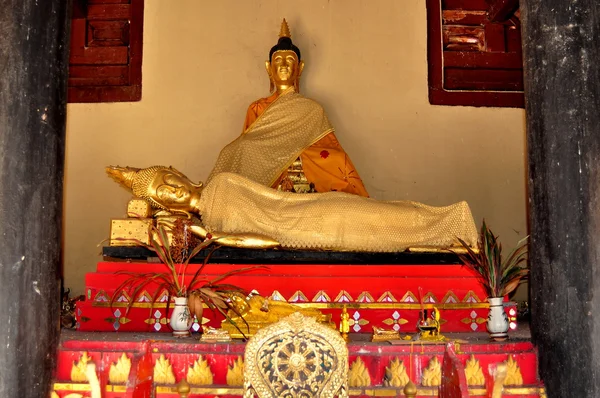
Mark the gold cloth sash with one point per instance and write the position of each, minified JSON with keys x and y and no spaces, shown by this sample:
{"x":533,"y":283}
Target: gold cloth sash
{"x":333,"y":220}
{"x":275,"y":140}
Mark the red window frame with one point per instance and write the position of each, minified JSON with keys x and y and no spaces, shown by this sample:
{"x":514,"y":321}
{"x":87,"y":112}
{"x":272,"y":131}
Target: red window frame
{"x":105,"y":63}
{"x":474,"y":53}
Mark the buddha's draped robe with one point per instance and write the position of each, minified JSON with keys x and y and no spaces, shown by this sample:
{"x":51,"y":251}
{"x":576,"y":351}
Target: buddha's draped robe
{"x":279,"y":129}
{"x":339,"y":221}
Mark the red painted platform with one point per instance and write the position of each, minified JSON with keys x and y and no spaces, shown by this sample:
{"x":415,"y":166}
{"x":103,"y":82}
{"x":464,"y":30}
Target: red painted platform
{"x":461,"y":368}
{"x":383,"y":295}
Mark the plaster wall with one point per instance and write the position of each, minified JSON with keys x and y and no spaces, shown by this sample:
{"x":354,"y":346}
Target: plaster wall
{"x":366,"y":63}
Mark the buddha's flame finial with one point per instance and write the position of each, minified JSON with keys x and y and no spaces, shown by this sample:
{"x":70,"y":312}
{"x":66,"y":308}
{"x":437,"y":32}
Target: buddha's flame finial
{"x":122,"y":175}
{"x":285,"y":29}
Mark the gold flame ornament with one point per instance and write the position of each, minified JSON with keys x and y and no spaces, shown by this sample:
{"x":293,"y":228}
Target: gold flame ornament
{"x":163,"y":371}
{"x":199,"y":374}
{"x":473,"y":372}
{"x":432,"y":375}
{"x":78,"y":371}
{"x":119,"y":371}
{"x":359,"y":374}
{"x":235,"y":373}
{"x":513,"y":373}
{"x":395,"y":374}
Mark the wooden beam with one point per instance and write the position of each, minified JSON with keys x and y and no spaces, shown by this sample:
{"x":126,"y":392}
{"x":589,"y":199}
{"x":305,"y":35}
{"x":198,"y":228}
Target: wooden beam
{"x":562,"y":86}
{"x":33,"y":50}
{"x":501,"y":10}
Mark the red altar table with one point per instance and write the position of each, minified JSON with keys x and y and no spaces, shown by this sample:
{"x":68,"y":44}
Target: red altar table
{"x":384,"y":295}
{"x":387,"y":291}
{"x":155,"y":363}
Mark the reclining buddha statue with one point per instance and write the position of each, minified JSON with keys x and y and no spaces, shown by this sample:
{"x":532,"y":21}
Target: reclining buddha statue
{"x":238,"y":211}
{"x":287,"y":141}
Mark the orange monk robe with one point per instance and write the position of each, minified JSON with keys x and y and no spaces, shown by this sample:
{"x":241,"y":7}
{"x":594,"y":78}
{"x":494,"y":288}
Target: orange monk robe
{"x":325,"y":163}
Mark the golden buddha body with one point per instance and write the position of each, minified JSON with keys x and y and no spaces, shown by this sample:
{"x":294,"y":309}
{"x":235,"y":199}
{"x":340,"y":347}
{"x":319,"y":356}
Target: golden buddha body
{"x":287,"y":141}
{"x":240,"y":212}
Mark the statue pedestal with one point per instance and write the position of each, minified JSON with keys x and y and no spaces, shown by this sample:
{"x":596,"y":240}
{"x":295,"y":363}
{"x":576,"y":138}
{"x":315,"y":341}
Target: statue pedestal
{"x":383,"y":290}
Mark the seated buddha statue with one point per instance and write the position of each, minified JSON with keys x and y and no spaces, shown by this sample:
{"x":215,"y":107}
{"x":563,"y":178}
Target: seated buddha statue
{"x":287,"y":141}
{"x":240,"y":212}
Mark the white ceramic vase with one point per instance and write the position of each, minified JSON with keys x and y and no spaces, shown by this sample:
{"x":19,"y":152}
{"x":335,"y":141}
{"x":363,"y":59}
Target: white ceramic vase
{"x":180,"y":320}
{"x":497,"y":323}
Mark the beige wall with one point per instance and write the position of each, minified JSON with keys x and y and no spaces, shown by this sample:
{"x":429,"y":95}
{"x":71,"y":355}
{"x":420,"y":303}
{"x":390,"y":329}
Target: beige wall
{"x":366,"y":63}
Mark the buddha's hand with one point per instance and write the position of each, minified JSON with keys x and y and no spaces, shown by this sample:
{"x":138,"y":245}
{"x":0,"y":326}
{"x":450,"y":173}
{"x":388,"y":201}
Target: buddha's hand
{"x":241,"y":240}
{"x":245,"y":241}
{"x":167,"y":223}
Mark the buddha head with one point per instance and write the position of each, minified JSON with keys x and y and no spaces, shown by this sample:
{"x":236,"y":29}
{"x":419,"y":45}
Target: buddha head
{"x":284,"y":65}
{"x":163,"y":187}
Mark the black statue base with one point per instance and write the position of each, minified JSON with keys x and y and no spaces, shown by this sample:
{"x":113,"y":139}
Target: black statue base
{"x":260,"y":256}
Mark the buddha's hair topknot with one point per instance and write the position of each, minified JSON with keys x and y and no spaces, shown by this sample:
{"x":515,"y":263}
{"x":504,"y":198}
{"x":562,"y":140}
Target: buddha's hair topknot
{"x":285,"y":41}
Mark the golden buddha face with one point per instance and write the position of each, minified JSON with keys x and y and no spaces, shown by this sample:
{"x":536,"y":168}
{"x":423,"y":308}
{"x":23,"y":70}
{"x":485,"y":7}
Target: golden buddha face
{"x":284,"y":69}
{"x":175,"y":191}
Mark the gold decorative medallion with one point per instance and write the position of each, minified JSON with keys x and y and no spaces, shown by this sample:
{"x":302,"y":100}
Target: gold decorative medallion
{"x":513,"y":373}
{"x":296,"y":357}
{"x":163,"y":371}
{"x":395,"y":374}
{"x":235,"y":373}
{"x":119,"y":371}
{"x":78,"y":369}
{"x":473,"y":372}
{"x":359,"y":374}
{"x":432,"y":375}
{"x":199,"y":373}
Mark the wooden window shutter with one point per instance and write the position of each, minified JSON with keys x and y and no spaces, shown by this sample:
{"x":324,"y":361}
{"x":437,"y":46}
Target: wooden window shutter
{"x":474,"y":53}
{"x":105,"y":63}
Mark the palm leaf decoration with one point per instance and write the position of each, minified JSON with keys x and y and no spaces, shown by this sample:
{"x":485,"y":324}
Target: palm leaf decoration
{"x":499,"y":276}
